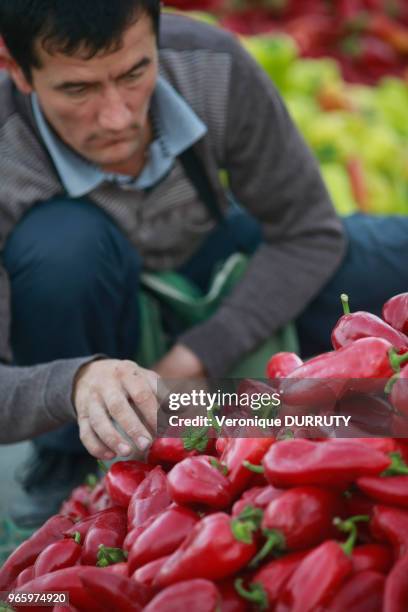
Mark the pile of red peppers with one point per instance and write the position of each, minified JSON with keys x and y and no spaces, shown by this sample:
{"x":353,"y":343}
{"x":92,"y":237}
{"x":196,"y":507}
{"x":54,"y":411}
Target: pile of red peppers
{"x":369,"y":38}
{"x":234,"y":524}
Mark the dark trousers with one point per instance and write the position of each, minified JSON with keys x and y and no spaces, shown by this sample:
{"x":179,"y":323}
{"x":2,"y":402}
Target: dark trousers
{"x":75,"y":281}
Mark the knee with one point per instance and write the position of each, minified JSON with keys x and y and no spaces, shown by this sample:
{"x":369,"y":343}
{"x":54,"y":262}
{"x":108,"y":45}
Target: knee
{"x":63,"y":248}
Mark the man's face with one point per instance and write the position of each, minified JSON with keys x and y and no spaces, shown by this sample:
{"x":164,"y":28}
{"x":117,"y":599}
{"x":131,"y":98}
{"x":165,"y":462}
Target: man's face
{"x":99,"y":106}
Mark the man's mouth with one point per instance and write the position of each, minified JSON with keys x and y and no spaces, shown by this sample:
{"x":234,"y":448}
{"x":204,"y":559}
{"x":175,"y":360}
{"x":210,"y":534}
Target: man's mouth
{"x":118,"y":140}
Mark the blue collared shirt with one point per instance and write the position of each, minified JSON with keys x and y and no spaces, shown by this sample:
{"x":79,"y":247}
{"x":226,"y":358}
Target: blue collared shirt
{"x":177,"y":128}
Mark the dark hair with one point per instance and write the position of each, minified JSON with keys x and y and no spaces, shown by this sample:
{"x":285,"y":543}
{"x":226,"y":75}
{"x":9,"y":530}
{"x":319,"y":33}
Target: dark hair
{"x":68,"y":25}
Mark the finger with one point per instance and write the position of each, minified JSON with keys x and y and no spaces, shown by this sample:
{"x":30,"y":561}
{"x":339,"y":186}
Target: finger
{"x":143,"y":396}
{"x":103,"y":427}
{"x":92,"y":443}
{"x":127,"y":418}
{"x":160,"y":388}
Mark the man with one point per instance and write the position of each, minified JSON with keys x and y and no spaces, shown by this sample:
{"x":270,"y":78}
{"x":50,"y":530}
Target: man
{"x":94,"y":121}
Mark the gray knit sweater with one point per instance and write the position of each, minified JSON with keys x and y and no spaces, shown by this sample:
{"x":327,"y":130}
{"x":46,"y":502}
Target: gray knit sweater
{"x":271,"y":172}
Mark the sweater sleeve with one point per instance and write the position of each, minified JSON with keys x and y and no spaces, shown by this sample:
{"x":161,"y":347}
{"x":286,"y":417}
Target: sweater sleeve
{"x":33,"y":399}
{"x":274,"y":175}
{"x":36,"y":399}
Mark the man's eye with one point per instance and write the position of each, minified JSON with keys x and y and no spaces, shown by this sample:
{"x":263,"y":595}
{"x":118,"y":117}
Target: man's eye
{"x":76,"y":91}
{"x":133,"y":76}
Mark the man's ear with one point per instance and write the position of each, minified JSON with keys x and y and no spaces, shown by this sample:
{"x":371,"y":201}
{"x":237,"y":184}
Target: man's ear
{"x":14,"y":70}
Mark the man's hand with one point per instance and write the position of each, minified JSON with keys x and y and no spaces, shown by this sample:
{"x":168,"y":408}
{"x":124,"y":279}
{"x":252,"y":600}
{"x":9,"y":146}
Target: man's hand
{"x":120,"y":390}
{"x":180,"y":363}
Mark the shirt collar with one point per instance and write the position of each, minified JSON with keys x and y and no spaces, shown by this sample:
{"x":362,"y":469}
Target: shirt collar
{"x":177,"y":128}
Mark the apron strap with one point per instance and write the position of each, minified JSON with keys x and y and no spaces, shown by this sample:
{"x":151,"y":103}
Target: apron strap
{"x":195,"y":171}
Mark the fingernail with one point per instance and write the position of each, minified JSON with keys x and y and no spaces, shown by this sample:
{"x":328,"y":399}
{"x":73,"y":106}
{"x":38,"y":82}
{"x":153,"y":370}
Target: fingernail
{"x":108,"y":456}
{"x":143,"y":443}
{"x":124,"y":449}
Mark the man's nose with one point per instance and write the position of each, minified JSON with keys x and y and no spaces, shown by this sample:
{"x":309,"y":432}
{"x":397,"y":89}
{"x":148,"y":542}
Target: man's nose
{"x":114,"y":114}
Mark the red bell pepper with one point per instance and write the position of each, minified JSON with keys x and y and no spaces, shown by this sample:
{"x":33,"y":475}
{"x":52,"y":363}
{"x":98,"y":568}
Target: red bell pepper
{"x":75,"y":510}
{"x":114,"y":592}
{"x":311,"y":32}
{"x":167,"y":531}
{"x":82,"y":492}
{"x":390,"y":487}
{"x":236,"y":452}
{"x":321,"y":573}
{"x":67,"y":580}
{"x":399,"y":391}
{"x":85,"y":524}
{"x":169,"y":451}
{"x":402,"y":448}
{"x":371,"y":53}
{"x":123,"y":478}
{"x":58,"y":555}
{"x":362,"y":366}
{"x":248,"y":22}
{"x":198,"y":481}
{"x":395,"y":448}
{"x":220,"y":445}
{"x":99,"y":498}
{"x":399,"y":425}
{"x":371,"y":414}
{"x":395,"y":312}
{"x":77,"y":505}
{"x":135,"y":532}
{"x":332,"y":463}
{"x":396,"y":587}
{"x":109,"y":529}
{"x":150,"y":498}
{"x":257,"y":497}
{"x":300,"y":518}
{"x":358,"y":503}
{"x":389,"y":30}
{"x":230,"y":600}
{"x":389,"y":524}
{"x":315,"y":580}
{"x":25,"y":576}
{"x":198,"y":595}
{"x":282,"y":364}
{"x":119,"y":569}
{"x":146,"y":574}
{"x":216,"y":548}
{"x":349,"y":10}
{"x":352,"y":327}
{"x":26,"y":554}
{"x":373,"y":557}
{"x":268,"y":582}
{"x":362,"y":592}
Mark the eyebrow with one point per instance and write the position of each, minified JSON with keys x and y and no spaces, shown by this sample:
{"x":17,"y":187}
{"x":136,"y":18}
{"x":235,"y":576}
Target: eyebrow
{"x":73,"y":84}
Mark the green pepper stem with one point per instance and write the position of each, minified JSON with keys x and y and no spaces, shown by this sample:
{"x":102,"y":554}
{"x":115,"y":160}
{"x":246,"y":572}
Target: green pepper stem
{"x":274,"y":540}
{"x":196,"y":439}
{"x":109,"y":556}
{"x":256,"y":594}
{"x":398,"y":466}
{"x":345,"y":303}
{"x":349,"y":526}
{"x":91,"y":481}
{"x":391,"y":382}
{"x":77,"y":537}
{"x":243,"y":530}
{"x":397,"y":360}
{"x":221,"y":467}
{"x":102,"y":466}
{"x":251,"y":513}
{"x":258,"y":469}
